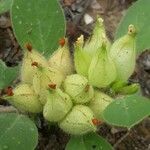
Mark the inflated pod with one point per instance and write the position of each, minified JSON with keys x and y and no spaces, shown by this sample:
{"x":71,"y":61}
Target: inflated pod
{"x":102,"y":70}
{"x":99,"y":103}
{"x":57,"y":106}
{"x":123,"y":52}
{"x":61,"y":59}
{"x":78,"y":88}
{"x":25,"y":99}
{"x":78,"y":121}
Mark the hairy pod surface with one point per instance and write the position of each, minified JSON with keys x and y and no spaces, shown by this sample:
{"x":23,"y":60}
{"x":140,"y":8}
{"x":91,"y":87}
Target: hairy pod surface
{"x":25,"y":99}
{"x":78,"y":88}
{"x":27,"y":70}
{"x":57,"y":106}
{"x":78,"y":121}
{"x":43,"y":94}
{"x":62,"y":60}
{"x":46,"y":76}
{"x":99,"y":103}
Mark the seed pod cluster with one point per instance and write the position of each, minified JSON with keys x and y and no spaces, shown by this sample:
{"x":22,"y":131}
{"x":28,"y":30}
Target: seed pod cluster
{"x":74,"y":100}
{"x":84,"y":53}
{"x":102,"y":63}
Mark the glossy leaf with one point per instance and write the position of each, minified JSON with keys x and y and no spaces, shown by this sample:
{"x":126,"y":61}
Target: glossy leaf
{"x":40,"y":23}
{"x":128,"y":111}
{"x":138,"y":15}
{"x":17,"y":132}
{"x":5,"y":5}
{"x":7,"y":74}
{"x":88,"y":142}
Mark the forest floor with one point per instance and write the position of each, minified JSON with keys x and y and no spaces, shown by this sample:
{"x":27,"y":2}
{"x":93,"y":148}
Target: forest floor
{"x":80,"y":17}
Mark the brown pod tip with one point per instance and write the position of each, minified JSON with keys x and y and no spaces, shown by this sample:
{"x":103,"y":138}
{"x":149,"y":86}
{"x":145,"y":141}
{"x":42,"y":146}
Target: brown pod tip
{"x":96,"y":122}
{"x":35,"y":64}
{"x":62,"y":42}
{"x":52,"y":86}
{"x":28,"y":46}
{"x":9,"y":91}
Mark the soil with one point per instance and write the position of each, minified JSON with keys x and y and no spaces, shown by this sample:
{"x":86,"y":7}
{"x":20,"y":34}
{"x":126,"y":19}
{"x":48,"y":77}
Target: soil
{"x":76,"y":12}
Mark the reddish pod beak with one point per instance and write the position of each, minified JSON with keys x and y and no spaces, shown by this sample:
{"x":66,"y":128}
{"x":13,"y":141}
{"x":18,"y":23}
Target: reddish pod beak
{"x":35,"y":64}
{"x":28,"y":46}
{"x":96,"y":122}
{"x":62,"y":42}
{"x":9,"y":91}
{"x":52,"y":86}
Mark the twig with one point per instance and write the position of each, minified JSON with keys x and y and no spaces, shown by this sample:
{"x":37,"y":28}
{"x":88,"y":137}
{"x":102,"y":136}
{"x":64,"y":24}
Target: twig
{"x":121,"y":139}
{"x":7,"y":109}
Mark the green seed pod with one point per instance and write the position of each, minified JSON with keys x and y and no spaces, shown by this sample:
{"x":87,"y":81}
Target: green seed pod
{"x":57,"y":106}
{"x":78,"y":121}
{"x":83,"y":53}
{"x":81,"y":58}
{"x":97,"y":38}
{"x":123,"y":52}
{"x":45,"y":77}
{"x":27,"y":70}
{"x":25,"y":99}
{"x":99,"y":103}
{"x":62,"y":60}
{"x":102,"y":71}
{"x":78,"y":88}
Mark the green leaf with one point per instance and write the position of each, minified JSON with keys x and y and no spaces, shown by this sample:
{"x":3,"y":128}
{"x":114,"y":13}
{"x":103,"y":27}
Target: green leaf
{"x":39,"y":22}
{"x":5,"y":5}
{"x":88,"y":142}
{"x":17,"y":132}
{"x":128,"y":111}
{"x":7,"y":74}
{"x":138,"y":15}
